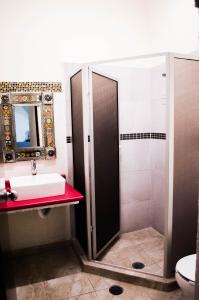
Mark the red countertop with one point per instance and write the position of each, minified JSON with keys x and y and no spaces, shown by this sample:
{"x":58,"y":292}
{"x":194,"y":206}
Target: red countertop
{"x":71,"y":195}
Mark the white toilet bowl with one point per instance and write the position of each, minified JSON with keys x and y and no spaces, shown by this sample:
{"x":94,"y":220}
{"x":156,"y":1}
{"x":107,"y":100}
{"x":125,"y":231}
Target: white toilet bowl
{"x":185,"y":274}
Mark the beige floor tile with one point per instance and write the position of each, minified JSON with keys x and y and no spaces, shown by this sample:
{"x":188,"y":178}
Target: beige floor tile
{"x":68,"y":286}
{"x":100,"y":283}
{"x":145,"y":245}
{"x":89,"y":296}
{"x":155,"y":269}
{"x":133,"y":292}
{"x":58,"y":273}
{"x":153,"y":243}
{"x":123,"y":243}
{"x":158,"y":295}
{"x":143,"y":234}
{"x":128,"y":294}
{"x":31,"y":292}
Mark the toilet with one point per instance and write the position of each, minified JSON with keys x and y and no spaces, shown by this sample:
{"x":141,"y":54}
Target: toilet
{"x":185,"y":274}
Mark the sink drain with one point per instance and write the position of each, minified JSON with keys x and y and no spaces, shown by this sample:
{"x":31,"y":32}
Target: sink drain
{"x":138,"y":265}
{"x":116,"y":290}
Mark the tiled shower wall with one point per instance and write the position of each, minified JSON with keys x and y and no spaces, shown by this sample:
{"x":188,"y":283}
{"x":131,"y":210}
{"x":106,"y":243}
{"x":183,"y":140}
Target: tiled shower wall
{"x":135,"y":162}
{"x":142,"y":109}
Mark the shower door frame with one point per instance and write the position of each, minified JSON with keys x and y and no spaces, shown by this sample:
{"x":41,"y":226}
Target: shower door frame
{"x":86,"y":131}
{"x":92,"y":69}
{"x":89,"y":171}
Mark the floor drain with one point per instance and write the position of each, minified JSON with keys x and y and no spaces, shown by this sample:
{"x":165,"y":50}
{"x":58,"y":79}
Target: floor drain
{"x":138,"y":265}
{"x":116,"y":290}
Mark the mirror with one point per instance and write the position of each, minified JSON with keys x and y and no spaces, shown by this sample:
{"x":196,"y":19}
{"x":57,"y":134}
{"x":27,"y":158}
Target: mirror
{"x":27,"y":126}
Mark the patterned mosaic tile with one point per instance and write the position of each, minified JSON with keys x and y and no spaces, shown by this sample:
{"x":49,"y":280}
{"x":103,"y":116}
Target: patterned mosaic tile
{"x":7,"y":87}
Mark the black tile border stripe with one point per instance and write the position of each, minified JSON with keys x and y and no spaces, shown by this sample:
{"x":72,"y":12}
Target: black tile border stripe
{"x":157,"y":135}
{"x":69,"y":139}
{"x":132,"y":136}
{"x":142,"y":135}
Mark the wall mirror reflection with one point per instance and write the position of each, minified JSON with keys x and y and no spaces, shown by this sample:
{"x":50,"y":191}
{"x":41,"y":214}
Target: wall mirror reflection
{"x":27,"y":126}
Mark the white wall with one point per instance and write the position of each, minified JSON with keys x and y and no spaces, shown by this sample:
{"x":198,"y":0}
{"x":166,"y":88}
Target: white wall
{"x":173,"y":25}
{"x":37,"y":35}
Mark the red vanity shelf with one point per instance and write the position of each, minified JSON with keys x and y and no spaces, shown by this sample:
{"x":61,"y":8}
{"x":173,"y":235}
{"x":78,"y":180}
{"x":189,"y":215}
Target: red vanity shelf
{"x":71,"y":196}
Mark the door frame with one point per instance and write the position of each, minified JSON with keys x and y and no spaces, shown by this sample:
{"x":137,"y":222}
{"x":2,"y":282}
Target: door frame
{"x":85,"y":109}
{"x":170,"y":58}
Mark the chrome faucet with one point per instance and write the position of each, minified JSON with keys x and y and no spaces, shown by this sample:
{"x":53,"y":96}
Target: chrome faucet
{"x":33,"y":167}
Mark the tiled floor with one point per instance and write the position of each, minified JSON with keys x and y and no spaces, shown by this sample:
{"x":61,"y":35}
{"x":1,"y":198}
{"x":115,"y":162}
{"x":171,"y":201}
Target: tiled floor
{"x":57,"y":275}
{"x":84,"y":286}
{"x":145,"y":245}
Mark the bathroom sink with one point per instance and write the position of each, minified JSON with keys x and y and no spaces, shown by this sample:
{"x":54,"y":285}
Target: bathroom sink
{"x":38,"y":186}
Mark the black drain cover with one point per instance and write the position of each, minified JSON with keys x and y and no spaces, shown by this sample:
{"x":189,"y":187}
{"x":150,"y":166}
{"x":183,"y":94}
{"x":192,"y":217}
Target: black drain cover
{"x":116,"y":290}
{"x":138,"y":265}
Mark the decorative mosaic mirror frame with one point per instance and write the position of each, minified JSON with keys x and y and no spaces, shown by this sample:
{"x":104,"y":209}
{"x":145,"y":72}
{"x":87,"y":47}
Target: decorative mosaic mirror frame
{"x":8,"y":150}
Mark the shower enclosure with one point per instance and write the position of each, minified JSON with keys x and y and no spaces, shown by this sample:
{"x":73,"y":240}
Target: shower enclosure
{"x":135,"y":152}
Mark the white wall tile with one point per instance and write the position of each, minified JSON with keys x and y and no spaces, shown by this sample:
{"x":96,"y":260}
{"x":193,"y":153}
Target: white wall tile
{"x":135,"y":215}
{"x":135,"y":155}
{"x":135,"y":116}
{"x":142,"y":108}
{"x":158,"y":152}
{"x":158,"y":194}
{"x":135,"y":185}
{"x":134,"y":100}
{"x":158,"y":82}
{"x":158,"y":116}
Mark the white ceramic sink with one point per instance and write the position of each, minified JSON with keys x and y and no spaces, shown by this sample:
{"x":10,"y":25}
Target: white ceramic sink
{"x":38,"y":186}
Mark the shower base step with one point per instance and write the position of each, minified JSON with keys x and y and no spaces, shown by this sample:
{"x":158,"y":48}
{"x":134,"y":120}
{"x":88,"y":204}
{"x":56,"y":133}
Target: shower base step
{"x":121,"y":274}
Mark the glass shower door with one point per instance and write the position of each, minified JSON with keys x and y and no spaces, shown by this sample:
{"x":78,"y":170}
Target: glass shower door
{"x":104,"y":162}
